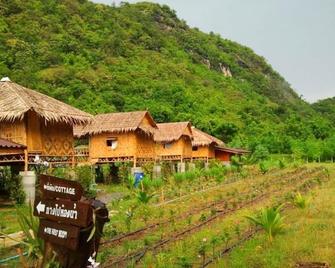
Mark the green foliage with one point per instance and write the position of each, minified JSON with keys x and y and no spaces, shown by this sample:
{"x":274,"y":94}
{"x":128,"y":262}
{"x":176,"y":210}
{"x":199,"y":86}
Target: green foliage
{"x":216,"y":171}
{"x":103,"y":58}
{"x":11,"y":183}
{"x":327,"y":108}
{"x":29,"y":225}
{"x":300,"y":201}
{"x":264,"y":167}
{"x":260,"y":153}
{"x":85,"y":177}
{"x":130,"y":182}
{"x":270,"y":220}
{"x":144,"y":197}
{"x":157,"y":183}
{"x":281,"y":164}
{"x":129,"y":215}
{"x":106,"y":173}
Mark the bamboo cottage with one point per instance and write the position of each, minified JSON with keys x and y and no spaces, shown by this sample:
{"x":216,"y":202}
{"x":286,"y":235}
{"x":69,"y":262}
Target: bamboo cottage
{"x":33,"y":124}
{"x":203,"y":145}
{"x":174,"y":141}
{"x":120,"y":137}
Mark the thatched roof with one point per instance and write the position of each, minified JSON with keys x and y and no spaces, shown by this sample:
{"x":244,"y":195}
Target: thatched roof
{"x":201,"y":138}
{"x":169,"y":132}
{"x":232,"y":150}
{"x":16,"y":100}
{"x":117,"y":123}
{"x":9,"y":144}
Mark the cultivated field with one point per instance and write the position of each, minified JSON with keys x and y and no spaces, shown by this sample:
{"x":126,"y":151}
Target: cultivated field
{"x":205,"y":226}
{"x":198,"y":219}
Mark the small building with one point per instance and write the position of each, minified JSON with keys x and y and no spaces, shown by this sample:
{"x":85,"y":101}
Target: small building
{"x":174,"y":141}
{"x":120,"y":137}
{"x":33,"y":124}
{"x":225,"y":154}
{"x":203,"y":145}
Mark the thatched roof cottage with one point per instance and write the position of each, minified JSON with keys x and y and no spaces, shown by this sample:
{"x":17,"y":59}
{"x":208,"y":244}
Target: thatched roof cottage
{"x":41,"y":125}
{"x":174,"y":141}
{"x":120,"y":137}
{"x":203,"y":145}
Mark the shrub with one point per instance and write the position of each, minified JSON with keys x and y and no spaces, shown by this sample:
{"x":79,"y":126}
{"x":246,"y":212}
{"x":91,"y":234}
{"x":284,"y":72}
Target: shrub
{"x":85,"y":177}
{"x":270,"y":220}
{"x":178,"y":178}
{"x":157,"y":183}
{"x":106,"y":170}
{"x":12,"y":184}
{"x":260,"y":153}
{"x":191,"y":175}
{"x":148,"y":168}
{"x":124,"y":171}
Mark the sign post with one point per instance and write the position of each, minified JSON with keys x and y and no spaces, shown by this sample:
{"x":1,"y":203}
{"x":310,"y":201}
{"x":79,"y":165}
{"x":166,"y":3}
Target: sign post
{"x":66,"y":220}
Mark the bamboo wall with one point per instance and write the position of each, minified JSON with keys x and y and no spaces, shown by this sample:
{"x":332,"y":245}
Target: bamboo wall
{"x":57,"y":139}
{"x":127,"y":144}
{"x":14,"y":131}
{"x":204,"y":152}
{"x":181,"y":147}
{"x":51,"y":139}
{"x":145,"y":146}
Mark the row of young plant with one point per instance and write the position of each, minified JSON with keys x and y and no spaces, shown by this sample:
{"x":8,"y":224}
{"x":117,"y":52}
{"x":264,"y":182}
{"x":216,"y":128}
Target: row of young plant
{"x":215,"y":196}
{"x":212,"y":243}
{"x":202,"y":216}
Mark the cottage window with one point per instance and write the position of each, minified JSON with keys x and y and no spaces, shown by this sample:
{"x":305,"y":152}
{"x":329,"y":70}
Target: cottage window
{"x":167,"y":145}
{"x":195,"y":148}
{"x":111,"y":143}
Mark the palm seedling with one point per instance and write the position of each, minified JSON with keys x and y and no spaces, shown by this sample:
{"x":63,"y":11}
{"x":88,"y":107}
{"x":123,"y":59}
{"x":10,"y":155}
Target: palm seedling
{"x":263,"y":167}
{"x":214,"y":242}
{"x":300,"y":201}
{"x":144,"y":197}
{"x":270,"y":220}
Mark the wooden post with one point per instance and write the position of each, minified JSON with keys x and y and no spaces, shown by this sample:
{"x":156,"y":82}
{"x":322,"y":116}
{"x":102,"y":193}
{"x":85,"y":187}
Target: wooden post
{"x":25,"y":160}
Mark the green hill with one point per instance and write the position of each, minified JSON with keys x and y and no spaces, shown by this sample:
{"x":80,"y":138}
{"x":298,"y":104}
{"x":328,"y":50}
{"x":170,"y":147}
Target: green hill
{"x":101,"y":59}
{"x":326,"y":107}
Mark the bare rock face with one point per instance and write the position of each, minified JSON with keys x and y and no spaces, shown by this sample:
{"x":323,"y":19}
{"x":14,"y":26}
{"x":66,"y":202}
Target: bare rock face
{"x":207,"y":63}
{"x":225,"y":70}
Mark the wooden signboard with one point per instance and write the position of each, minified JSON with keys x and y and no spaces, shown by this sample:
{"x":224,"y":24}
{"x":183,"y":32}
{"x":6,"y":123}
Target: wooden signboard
{"x":77,"y":213}
{"x":66,"y":221}
{"x":59,"y":234}
{"x":52,"y":187}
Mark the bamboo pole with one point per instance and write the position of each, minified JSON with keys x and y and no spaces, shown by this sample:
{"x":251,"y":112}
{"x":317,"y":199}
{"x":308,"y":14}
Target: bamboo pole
{"x":25,"y":160}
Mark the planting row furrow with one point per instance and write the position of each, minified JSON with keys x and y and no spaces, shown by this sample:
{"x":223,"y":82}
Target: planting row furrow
{"x":249,"y":234}
{"x":139,"y":254}
{"x":137,"y":233}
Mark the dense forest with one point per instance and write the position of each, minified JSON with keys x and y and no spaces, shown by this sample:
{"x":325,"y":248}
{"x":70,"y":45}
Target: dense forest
{"x":103,"y":58}
{"x":327,"y":108}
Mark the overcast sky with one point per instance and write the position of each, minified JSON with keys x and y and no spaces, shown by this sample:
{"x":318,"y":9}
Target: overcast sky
{"x":297,"y":37}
